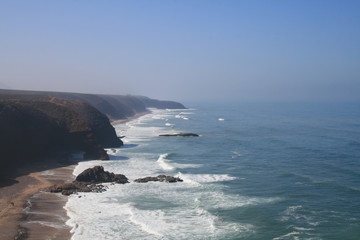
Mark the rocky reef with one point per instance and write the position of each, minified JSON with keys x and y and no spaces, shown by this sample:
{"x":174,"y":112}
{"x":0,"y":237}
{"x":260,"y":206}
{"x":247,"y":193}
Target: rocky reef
{"x":89,"y":181}
{"x":97,"y":174}
{"x":159,"y":178}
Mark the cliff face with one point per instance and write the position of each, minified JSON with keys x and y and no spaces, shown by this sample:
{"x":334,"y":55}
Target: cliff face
{"x":44,"y":128}
{"x":38,"y":126}
{"x":115,"y":107}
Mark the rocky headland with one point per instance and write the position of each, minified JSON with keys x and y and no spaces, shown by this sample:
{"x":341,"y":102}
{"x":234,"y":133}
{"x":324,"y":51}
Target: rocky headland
{"x":159,"y":178}
{"x":43,"y":126}
{"x":38,"y":133}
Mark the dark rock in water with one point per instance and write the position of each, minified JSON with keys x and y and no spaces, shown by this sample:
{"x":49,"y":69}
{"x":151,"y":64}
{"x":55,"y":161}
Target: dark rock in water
{"x":160,"y":178}
{"x":88,"y":181}
{"x":180,"y":135}
{"x":98,"y":175}
{"x":74,"y":187}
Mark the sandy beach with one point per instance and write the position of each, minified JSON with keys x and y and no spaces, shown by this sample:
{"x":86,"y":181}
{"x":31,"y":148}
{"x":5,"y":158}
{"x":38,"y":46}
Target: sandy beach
{"x":28,"y":212}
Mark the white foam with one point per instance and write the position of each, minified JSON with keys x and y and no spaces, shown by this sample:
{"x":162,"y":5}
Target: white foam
{"x":85,"y":165}
{"x":207,"y":178}
{"x":189,"y":111}
{"x":291,"y":235}
{"x":155,"y":210}
{"x":164,"y":163}
{"x":145,"y":218}
{"x":147,"y":211}
{"x":169,"y":165}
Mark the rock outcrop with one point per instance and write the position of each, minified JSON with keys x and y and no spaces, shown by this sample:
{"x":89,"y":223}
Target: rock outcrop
{"x":159,"y":178}
{"x":74,"y":187}
{"x":89,"y":181}
{"x":97,"y":174}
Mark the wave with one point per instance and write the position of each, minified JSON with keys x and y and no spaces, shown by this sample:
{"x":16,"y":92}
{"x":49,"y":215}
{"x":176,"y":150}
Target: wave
{"x":164,"y":163}
{"x":169,"y":165}
{"x":158,"y":212}
{"x":291,"y":235}
{"x":182,"y":117}
{"x":206,"y":178}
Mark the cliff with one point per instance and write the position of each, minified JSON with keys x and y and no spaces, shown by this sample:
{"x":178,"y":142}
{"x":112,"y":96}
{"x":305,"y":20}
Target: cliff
{"x":42,"y":126}
{"x":115,"y":107}
{"x":39,"y":130}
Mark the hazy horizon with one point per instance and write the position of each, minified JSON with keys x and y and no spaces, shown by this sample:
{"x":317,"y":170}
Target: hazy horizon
{"x":184,"y":50}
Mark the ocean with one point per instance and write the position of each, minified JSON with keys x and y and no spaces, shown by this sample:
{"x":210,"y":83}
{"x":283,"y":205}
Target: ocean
{"x":257,"y":171}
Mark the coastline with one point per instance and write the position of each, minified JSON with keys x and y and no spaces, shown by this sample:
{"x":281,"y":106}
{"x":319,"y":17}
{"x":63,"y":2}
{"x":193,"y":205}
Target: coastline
{"x":28,"y":212}
{"x":123,"y":121}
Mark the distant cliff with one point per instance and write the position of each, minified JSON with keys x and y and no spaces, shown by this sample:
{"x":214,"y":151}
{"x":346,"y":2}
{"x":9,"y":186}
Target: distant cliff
{"x":115,"y":107}
{"x":38,"y":126}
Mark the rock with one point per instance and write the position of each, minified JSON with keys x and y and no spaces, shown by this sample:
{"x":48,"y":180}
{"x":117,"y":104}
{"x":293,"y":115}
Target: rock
{"x":70,"y":188}
{"x":98,"y":175}
{"x":180,"y":135}
{"x":88,"y":181}
{"x":160,"y":178}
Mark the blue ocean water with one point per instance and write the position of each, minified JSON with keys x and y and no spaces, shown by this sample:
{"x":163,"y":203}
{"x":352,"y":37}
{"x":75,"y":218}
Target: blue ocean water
{"x":257,"y":171}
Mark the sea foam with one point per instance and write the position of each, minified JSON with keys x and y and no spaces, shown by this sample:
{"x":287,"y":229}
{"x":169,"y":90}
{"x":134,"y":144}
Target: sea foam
{"x":155,"y":210}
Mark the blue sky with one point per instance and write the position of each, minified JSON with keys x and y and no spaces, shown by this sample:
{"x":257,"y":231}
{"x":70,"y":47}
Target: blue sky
{"x":194,"y":50}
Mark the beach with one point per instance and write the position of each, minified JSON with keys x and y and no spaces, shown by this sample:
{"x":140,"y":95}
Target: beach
{"x":28,"y":212}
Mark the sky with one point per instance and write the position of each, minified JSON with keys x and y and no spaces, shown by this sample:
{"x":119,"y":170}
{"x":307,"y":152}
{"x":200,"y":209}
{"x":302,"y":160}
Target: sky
{"x":242,"y":50}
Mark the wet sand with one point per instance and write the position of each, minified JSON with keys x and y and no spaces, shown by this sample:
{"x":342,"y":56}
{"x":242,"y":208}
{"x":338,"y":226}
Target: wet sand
{"x":28,"y":212}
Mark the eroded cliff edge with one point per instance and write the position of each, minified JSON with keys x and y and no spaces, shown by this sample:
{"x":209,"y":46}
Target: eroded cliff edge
{"x":43,"y":126}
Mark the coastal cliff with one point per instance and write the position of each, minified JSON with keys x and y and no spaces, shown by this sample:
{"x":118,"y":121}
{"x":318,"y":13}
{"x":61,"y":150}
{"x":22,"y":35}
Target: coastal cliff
{"x":41,"y":126}
{"x":38,"y":130}
{"x":115,"y":107}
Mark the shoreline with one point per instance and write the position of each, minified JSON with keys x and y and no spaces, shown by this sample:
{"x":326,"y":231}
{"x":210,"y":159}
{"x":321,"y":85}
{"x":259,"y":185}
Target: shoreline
{"x":24,"y":204}
{"x":123,"y":121}
{"x":28,"y":212}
